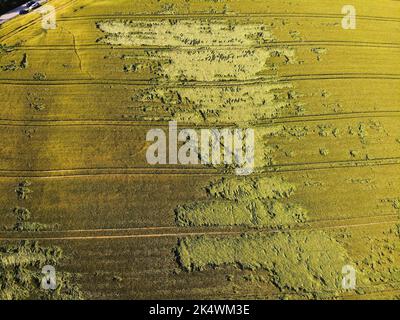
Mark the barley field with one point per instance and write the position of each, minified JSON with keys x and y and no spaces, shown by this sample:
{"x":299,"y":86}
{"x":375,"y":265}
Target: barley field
{"x":77,"y":191}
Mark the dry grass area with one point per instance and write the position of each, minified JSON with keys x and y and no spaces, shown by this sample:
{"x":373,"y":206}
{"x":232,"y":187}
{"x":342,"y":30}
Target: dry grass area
{"x":77,"y":192}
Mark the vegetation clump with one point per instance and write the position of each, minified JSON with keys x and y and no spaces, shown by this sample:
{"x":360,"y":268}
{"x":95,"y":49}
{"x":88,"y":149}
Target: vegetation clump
{"x":23,"y":191}
{"x":22,"y":223}
{"x":14,"y":66}
{"x":5,"y":49}
{"x":39,"y":76}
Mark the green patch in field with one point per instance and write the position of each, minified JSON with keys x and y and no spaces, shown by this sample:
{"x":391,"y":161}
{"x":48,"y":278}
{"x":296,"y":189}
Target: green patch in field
{"x":23,"y":191}
{"x":323,"y":151}
{"x":22,"y":216}
{"x":233,"y":104}
{"x":4,"y":49}
{"x":309,"y":263}
{"x":39,"y":76}
{"x":244,"y":202}
{"x":171,"y":33}
{"x":319,"y":52}
{"x":251,"y":188}
{"x":380,"y":266}
{"x":35,"y":101}
{"x":15,"y":66}
{"x":20,"y":273}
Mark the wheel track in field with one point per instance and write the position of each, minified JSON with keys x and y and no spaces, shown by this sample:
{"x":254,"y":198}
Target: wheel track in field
{"x":182,"y":171}
{"x":95,"y":46}
{"x":199,"y":84}
{"x":150,"y":124}
{"x":183,"y":231}
{"x":226,"y":16}
{"x":12,"y":33}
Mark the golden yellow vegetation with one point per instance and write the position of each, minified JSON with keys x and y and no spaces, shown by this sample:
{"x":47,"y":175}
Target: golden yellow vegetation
{"x":77,"y":191}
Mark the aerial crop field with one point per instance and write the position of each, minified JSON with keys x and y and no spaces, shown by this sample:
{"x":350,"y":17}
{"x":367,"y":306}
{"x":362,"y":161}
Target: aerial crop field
{"x":77,"y":190}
